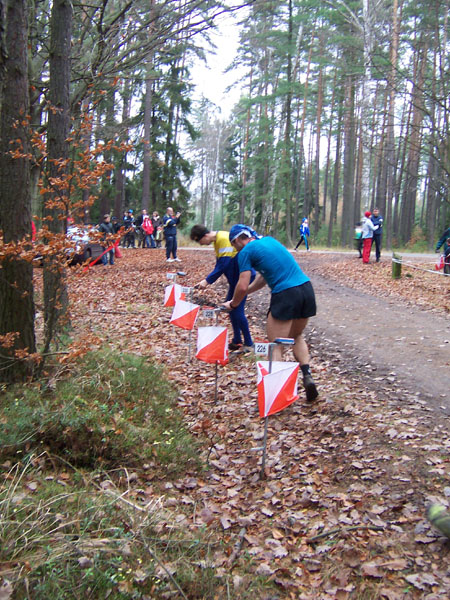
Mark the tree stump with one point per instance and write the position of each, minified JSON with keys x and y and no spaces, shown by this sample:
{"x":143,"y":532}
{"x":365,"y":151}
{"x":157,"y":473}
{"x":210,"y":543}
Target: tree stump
{"x":396,"y":266}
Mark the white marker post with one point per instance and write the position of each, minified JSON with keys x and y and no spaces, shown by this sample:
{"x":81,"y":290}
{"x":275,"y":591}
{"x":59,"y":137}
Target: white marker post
{"x":187,"y":291}
{"x":271,"y":346}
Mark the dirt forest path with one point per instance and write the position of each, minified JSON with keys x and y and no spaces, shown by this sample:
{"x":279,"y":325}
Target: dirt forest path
{"x":391,"y":342}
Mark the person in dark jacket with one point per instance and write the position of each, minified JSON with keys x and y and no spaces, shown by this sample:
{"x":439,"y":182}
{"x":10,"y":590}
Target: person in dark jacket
{"x":115,"y":224}
{"x":170,"y":222}
{"x":157,"y":229}
{"x":130,"y":230}
{"x":107,"y":229}
{"x":447,"y":256}
{"x":442,"y":239}
{"x":226,"y":264}
{"x":377,"y":219}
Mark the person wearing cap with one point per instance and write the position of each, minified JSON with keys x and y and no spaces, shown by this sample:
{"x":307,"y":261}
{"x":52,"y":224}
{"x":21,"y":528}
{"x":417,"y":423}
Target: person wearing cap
{"x":292,"y":300}
{"x":367,"y":234}
{"x":227,"y":265}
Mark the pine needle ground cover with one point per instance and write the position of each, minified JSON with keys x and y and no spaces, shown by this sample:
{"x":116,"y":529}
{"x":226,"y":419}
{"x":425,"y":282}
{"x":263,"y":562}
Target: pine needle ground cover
{"x":341,"y":513}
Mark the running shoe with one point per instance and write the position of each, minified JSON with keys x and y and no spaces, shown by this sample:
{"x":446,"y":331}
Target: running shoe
{"x":233,"y":347}
{"x":247,"y":349}
{"x":310,"y":388}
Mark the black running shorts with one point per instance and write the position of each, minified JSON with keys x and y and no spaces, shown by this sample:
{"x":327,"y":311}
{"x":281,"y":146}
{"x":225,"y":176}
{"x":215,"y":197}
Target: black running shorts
{"x":294,"y":303}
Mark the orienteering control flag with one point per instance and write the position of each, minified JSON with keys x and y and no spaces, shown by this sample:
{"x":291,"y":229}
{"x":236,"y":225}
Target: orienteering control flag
{"x":278,"y":389}
{"x":212,"y":345}
{"x":172,"y":293}
{"x":184,"y":314}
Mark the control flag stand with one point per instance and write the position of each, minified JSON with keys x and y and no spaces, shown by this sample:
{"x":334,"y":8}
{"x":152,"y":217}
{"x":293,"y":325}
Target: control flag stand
{"x":173,"y":292}
{"x":184,"y":315}
{"x":212,"y":344}
{"x":288,"y":374}
{"x":173,"y":276}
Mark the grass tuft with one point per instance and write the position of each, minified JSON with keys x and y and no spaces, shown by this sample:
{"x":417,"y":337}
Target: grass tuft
{"x":113,"y":410}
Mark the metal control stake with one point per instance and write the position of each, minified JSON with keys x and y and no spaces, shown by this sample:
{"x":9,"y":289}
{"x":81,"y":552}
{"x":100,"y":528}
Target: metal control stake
{"x":215,"y":312}
{"x":190,"y":330}
{"x":266,"y":421}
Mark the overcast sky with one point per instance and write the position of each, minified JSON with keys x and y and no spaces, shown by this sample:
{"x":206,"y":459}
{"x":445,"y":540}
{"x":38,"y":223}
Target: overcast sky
{"x":210,"y":79}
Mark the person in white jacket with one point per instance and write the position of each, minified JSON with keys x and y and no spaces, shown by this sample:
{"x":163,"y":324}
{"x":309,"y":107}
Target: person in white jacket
{"x":367,"y":234}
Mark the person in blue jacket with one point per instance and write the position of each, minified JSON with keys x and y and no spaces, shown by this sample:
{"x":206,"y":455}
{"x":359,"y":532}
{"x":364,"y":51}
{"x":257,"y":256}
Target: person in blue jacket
{"x":304,"y":234}
{"x":377,"y":219}
{"x":227,"y":265}
{"x":292,"y":301}
{"x":170,"y":222}
{"x":442,"y":239}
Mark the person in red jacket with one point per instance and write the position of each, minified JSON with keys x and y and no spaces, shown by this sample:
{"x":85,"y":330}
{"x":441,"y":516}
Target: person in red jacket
{"x":147,"y":228}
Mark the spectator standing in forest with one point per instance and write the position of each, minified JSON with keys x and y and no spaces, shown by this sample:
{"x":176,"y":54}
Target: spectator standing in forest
{"x":304,"y":234}
{"x":367,"y":234}
{"x":115,"y":224}
{"x":128,"y":223}
{"x":292,"y":300}
{"x":139,"y":231}
{"x":226,"y":264}
{"x":147,"y":229}
{"x":442,"y":239}
{"x":157,"y":229}
{"x":377,"y":219}
{"x":107,"y":229}
{"x":170,"y":222}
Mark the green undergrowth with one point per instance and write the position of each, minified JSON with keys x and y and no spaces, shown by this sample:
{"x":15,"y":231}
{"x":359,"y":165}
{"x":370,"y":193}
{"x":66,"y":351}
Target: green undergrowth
{"x":109,"y":410}
{"x":83,"y":459}
{"x":75,"y":535}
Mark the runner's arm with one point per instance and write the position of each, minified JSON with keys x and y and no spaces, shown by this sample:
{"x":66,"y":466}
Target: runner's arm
{"x":240,"y":291}
{"x":258,"y":283}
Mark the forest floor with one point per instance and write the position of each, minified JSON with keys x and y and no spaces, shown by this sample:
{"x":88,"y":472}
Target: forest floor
{"x":341,"y":512}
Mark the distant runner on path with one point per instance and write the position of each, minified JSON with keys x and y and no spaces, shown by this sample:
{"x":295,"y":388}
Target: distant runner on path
{"x":292,"y":301}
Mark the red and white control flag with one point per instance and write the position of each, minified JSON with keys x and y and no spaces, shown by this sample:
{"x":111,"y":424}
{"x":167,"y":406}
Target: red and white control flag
{"x":184,"y":314}
{"x":278,"y":389}
{"x":172,"y":293}
{"x":212,"y":345}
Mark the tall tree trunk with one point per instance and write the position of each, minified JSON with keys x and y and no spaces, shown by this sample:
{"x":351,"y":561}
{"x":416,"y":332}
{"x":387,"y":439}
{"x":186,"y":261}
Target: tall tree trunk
{"x":287,"y":170}
{"x":245,"y":159}
{"x":349,"y":163}
{"x":121,"y":161}
{"x":317,"y":158}
{"x":414,"y":147}
{"x":56,"y":209}
{"x":16,"y":275}
{"x":336,"y":173}
{"x":390,"y":141}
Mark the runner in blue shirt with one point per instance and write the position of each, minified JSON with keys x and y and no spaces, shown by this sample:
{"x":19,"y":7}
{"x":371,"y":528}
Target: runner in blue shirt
{"x":292,"y":300}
